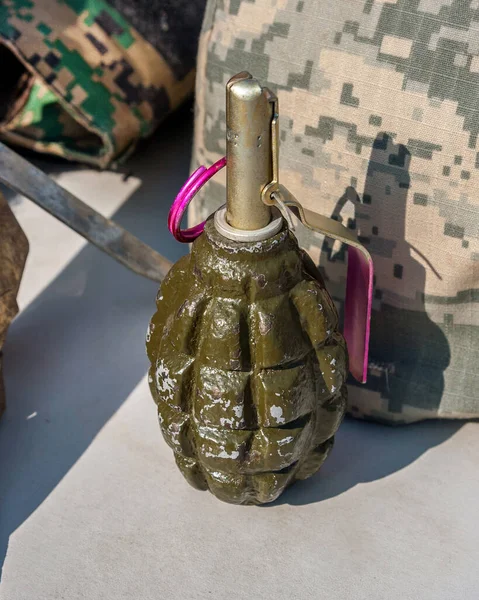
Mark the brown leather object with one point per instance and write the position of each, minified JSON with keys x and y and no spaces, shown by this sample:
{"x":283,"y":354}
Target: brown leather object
{"x":13,"y":254}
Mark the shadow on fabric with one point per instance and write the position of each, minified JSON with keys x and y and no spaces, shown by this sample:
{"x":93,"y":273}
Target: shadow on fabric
{"x":408,"y":351}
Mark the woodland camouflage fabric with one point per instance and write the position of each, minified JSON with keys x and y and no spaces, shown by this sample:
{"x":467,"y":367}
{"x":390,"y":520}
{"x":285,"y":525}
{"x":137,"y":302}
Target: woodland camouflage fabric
{"x":13,"y":253}
{"x":379,"y":128}
{"x":93,"y":84}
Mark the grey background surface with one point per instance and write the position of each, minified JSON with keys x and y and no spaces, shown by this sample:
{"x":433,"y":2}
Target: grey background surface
{"x":92,"y":505}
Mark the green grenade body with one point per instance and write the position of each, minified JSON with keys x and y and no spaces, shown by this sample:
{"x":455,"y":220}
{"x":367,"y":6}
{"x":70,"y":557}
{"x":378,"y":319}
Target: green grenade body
{"x":247,"y":366}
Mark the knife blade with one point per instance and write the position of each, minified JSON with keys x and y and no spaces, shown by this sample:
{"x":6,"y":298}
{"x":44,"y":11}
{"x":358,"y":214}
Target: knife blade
{"x":23,"y":177}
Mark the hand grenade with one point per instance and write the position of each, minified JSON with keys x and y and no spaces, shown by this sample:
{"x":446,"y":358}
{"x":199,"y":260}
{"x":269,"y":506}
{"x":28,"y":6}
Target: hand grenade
{"x":248,"y":367}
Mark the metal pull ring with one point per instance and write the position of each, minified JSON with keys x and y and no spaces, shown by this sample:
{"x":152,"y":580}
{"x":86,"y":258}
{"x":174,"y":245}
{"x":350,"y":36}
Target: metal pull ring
{"x":191,"y":187}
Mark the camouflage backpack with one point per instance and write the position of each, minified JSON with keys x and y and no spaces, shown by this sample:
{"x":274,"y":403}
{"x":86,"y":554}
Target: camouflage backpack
{"x":378,"y":104}
{"x":85,"y":79}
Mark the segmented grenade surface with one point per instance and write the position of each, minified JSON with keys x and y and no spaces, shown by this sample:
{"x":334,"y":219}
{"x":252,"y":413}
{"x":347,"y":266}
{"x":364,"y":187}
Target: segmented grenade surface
{"x":247,"y":366}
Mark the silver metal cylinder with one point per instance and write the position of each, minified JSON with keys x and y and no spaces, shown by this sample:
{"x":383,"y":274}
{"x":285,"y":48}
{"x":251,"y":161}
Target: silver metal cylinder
{"x":249,"y":113}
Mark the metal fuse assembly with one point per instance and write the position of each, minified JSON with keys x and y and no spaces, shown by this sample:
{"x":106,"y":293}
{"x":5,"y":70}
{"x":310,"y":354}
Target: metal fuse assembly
{"x":249,"y":112}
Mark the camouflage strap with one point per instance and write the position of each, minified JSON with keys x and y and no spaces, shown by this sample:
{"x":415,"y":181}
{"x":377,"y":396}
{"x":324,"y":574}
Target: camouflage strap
{"x":95,"y":84}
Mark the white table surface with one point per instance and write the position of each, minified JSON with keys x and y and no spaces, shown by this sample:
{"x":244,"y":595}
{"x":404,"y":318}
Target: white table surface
{"x":92,"y":504}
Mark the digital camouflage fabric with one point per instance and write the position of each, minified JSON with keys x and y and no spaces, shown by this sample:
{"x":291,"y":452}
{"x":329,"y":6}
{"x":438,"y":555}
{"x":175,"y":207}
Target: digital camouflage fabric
{"x":13,"y":253}
{"x":86,"y":84}
{"x":379,"y":128}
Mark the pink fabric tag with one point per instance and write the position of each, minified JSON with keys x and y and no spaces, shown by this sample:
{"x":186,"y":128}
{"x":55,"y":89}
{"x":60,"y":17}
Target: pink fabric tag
{"x":357,"y":313}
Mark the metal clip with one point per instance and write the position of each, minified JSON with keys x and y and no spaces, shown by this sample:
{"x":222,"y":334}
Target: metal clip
{"x":359,"y":284}
{"x":273,"y":186}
